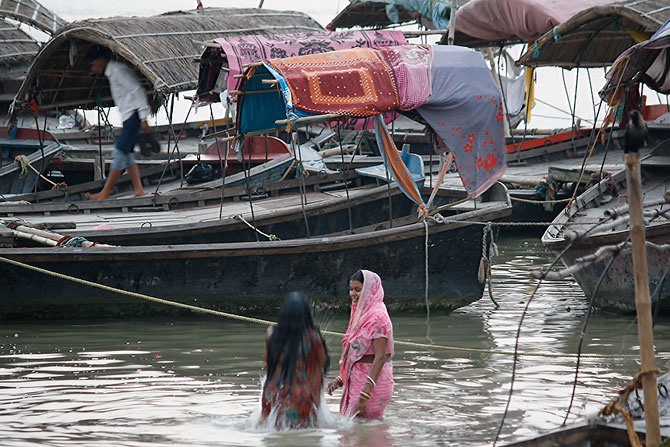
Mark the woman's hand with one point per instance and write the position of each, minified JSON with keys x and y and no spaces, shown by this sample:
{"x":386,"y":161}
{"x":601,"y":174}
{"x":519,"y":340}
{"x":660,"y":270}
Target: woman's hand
{"x":145,"y":126}
{"x":361,"y":408}
{"x":332,"y":386}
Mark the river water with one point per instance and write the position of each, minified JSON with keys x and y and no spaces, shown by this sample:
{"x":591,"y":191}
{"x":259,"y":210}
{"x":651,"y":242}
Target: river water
{"x":196,"y":381}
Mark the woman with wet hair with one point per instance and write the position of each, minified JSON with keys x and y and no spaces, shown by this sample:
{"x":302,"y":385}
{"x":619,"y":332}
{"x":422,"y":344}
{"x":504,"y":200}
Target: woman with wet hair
{"x":296,"y":361}
{"x":366,"y":372}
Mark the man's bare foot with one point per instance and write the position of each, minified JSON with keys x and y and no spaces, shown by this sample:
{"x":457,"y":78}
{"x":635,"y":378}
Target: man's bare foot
{"x":139,"y":194}
{"x":99,"y":196}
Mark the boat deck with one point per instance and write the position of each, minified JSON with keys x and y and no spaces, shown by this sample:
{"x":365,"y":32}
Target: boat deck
{"x":137,"y":217}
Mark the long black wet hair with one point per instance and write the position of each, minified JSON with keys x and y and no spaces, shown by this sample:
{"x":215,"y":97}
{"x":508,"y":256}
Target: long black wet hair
{"x":295,"y":318}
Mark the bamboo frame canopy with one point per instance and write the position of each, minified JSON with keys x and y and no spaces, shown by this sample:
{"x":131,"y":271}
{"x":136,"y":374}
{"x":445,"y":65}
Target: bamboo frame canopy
{"x":161,"y":49}
{"x":31,"y":13}
{"x":596,"y":36}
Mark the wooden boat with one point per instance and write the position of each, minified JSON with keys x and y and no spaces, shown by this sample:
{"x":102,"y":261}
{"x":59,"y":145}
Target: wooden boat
{"x":269,"y":179}
{"x":586,"y":434}
{"x":616,"y":293}
{"x":38,"y":148}
{"x":597,"y":430}
{"x":257,"y":150}
{"x":282,"y":216}
{"x":252,"y":277}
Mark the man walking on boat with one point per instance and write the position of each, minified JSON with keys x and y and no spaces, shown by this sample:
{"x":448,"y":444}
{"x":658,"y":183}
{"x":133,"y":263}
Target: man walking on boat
{"x":131,"y":99}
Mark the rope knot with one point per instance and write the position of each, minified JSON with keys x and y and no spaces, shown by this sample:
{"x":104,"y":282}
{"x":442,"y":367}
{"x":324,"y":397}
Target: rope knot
{"x":23,"y":161}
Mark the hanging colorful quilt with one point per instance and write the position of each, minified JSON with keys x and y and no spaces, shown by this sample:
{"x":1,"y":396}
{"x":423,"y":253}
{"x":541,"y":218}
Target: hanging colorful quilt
{"x":241,"y":50}
{"x":356,"y":82}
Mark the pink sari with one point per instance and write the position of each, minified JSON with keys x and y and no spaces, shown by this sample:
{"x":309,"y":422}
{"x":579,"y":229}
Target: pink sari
{"x":369,"y":320}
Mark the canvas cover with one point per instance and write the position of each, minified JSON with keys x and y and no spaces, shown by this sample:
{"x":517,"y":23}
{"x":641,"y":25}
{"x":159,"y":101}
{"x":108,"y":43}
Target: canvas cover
{"x":466,"y":112}
{"x":645,"y":62}
{"x":464,"y":109}
{"x":437,"y":11}
{"x":524,"y":19}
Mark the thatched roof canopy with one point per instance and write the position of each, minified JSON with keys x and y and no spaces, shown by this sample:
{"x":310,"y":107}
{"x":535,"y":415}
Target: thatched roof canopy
{"x":160,"y":48}
{"x":17,"y":51}
{"x":16,"y":46}
{"x":367,"y":14}
{"x":596,"y":36}
{"x":32,"y":13}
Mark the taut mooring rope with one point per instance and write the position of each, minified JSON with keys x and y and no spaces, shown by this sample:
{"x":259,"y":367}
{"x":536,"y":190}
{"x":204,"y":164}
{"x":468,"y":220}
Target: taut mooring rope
{"x":272,"y":323}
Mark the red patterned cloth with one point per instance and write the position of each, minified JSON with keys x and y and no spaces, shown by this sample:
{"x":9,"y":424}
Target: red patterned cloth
{"x":356,"y":82}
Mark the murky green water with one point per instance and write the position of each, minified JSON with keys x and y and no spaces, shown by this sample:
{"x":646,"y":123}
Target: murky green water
{"x":196,"y":381}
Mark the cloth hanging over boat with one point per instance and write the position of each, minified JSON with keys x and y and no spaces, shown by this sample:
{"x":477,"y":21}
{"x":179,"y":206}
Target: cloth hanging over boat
{"x":411,"y":68}
{"x":436,"y":11}
{"x":466,"y":112}
{"x":393,"y":159}
{"x":242,"y":50}
{"x":354,"y":82}
{"x":645,"y":62}
{"x":495,"y":20}
{"x":465,"y":108}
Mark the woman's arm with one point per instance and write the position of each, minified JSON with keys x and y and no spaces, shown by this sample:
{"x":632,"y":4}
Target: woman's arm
{"x":379,"y":346}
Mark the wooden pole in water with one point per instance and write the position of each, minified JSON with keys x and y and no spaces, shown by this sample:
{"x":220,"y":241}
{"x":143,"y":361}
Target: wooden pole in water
{"x":642,"y":300}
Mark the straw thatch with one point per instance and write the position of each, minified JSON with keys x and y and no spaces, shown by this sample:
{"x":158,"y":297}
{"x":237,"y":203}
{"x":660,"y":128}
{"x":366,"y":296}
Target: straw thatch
{"x":596,"y":36}
{"x":16,"y":46}
{"x":32,"y":13}
{"x":17,"y":51}
{"x":367,"y":15}
{"x":160,"y":48}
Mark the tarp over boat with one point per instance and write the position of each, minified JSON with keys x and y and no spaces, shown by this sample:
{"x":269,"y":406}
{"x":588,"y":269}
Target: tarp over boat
{"x":646,"y":62}
{"x":596,"y":36}
{"x":481,"y":23}
{"x":160,"y":48}
{"x":463,"y":105}
{"x":235,"y":52}
{"x":433,"y":14}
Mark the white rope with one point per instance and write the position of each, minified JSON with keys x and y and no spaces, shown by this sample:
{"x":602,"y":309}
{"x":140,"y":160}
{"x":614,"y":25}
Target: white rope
{"x":271,"y":237}
{"x":425,"y":223}
{"x":337,"y":334}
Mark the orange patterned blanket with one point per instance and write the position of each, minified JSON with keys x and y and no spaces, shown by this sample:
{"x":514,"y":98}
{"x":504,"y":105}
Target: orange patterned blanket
{"x":356,"y":82}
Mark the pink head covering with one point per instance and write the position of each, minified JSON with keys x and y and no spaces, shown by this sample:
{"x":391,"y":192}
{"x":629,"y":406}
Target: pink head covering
{"x":369,"y":320}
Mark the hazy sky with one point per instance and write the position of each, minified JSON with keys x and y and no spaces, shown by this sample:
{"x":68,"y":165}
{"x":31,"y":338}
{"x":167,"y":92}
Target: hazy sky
{"x":321,"y":10}
{"x":548,"y":89}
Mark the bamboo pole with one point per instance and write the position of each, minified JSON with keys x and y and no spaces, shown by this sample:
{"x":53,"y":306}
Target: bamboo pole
{"x":307,"y":119}
{"x":440,"y":178}
{"x":642,"y":300}
{"x":452,"y":23}
{"x":34,"y":237}
{"x":431,"y":32}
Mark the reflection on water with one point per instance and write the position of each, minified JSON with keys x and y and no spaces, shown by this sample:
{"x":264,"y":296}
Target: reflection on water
{"x":197,"y":381}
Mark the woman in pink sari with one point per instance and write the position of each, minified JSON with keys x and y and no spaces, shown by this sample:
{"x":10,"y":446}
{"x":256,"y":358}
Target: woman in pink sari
{"x":366,"y":372}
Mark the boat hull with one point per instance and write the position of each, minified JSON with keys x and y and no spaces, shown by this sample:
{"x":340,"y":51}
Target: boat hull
{"x":617,"y":290}
{"x":248,"y":278}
